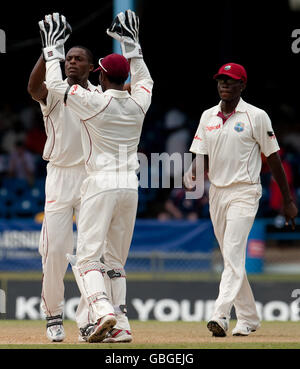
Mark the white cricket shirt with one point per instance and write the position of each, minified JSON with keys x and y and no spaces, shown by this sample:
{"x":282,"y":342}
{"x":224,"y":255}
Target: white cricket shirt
{"x":63,"y":146}
{"x":234,"y":148}
{"x":111,"y":123}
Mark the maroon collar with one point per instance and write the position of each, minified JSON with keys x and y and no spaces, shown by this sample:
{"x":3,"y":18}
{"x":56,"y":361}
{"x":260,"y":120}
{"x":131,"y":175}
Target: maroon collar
{"x":221,"y":115}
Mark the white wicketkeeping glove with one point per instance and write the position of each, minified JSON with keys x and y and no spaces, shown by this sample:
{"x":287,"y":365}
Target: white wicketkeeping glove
{"x":125,"y":29}
{"x":54,"y":32}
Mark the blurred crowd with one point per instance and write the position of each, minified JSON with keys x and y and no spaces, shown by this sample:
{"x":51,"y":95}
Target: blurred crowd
{"x":23,"y":171}
{"x":22,"y":139}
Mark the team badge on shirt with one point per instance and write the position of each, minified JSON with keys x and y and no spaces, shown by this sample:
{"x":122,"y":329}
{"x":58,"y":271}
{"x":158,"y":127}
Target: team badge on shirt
{"x":239,"y":127}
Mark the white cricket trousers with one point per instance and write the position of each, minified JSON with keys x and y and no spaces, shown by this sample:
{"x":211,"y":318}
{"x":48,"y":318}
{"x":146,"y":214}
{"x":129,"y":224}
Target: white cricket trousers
{"x":105,"y":230}
{"x":233,"y":210}
{"x":62,"y":203}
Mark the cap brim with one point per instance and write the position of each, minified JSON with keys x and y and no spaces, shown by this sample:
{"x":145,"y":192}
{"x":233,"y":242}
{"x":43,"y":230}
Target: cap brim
{"x":96,"y":70}
{"x":100,"y":66}
{"x":233,"y":76}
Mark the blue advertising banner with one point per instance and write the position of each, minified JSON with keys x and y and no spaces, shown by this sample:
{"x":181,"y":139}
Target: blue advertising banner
{"x":19,"y":240}
{"x":173,"y":236}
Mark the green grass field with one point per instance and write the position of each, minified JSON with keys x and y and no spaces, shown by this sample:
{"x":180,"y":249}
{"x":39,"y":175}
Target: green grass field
{"x":154,"y":335}
{"x":165,"y":276}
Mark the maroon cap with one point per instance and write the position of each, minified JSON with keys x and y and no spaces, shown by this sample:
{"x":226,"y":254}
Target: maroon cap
{"x":235,"y":71}
{"x":114,"y":65}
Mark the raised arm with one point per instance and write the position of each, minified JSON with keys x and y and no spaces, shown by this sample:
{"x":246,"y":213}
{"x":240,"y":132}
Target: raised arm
{"x":125,"y":29}
{"x":53,"y":48}
{"x":36,"y":85}
{"x":141,"y":83}
{"x":83,"y":103}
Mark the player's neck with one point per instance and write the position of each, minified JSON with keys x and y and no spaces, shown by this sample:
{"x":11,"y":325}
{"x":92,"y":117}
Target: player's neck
{"x":114,"y":86}
{"x":82,"y":83}
{"x":228,"y":106}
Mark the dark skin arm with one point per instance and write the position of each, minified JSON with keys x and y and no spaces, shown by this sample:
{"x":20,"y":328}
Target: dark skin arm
{"x":206,"y":169}
{"x":290,"y":210}
{"x":206,"y":165}
{"x":36,"y":86}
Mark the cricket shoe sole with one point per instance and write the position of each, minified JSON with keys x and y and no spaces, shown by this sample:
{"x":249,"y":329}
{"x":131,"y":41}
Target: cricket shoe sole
{"x":217,"y":328}
{"x":103,"y":325}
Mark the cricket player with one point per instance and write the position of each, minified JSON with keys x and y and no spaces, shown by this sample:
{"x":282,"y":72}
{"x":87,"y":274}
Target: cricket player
{"x":65,"y":175}
{"x":111,"y":126}
{"x":232,"y":136}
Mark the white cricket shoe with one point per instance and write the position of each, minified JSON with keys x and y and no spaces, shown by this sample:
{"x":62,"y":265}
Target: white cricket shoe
{"x":244,"y":330}
{"x":103,"y":325}
{"x":118,"y":336}
{"x":218,"y":327}
{"x":55,"y":330}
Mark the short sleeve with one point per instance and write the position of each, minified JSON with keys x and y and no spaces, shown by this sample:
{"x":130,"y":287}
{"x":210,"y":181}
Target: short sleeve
{"x":199,"y":145}
{"x":264,"y":134}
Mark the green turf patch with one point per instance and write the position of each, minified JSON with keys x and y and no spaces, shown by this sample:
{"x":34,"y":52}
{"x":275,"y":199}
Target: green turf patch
{"x":195,"y":346}
{"x":166,"y":276}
